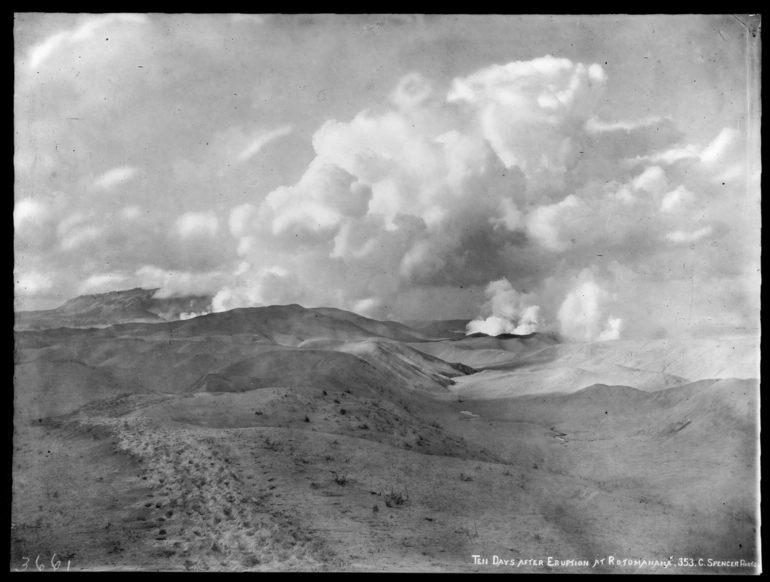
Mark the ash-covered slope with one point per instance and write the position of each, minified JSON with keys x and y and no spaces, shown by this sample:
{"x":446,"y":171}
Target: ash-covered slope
{"x":319,"y":369}
{"x":440,"y":329}
{"x":479,"y":350}
{"x":422,"y":370}
{"x":234,"y":351}
{"x":388,"y":329}
{"x":287,"y":325}
{"x":115,"y":307}
{"x":693,"y":359}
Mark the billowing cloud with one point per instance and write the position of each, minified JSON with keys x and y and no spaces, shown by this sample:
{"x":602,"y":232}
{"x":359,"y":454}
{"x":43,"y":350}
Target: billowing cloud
{"x":318,"y":204}
{"x":178,"y":283}
{"x":524,"y":109}
{"x":677,"y":199}
{"x":261,"y":141}
{"x":28,"y":210}
{"x":266,"y":286}
{"x":80,"y":235}
{"x":131,"y":212}
{"x":32,"y":283}
{"x":67,"y":39}
{"x":390,"y":194}
{"x":583,"y":314}
{"x":487,"y":178}
{"x":114,"y":177}
{"x":195,"y":224}
{"x":102,"y":283}
{"x":507,"y":311}
{"x":680,"y":236}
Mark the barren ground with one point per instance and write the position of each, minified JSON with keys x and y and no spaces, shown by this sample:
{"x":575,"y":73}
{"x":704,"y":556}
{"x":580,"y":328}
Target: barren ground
{"x":379,"y":477}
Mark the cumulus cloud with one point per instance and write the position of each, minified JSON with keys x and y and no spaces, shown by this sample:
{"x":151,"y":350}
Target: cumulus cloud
{"x":506,"y":311}
{"x":676,"y":199}
{"x":546,"y":223}
{"x":195,"y":224}
{"x":652,"y":179}
{"x":102,"y":283}
{"x":32,"y":283}
{"x":175,"y":283}
{"x":114,"y":177}
{"x":366,"y":306}
{"x":510,"y":173}
{"x":131,"y":212}
{"x":680,"y":236}
{"x":595,"y":125}
{"x":28,"y":210}
{"x":266,"y":286}
{"x":260,"y":141}
{"x":80,"y":235}
{"x":65,"y":39}
{"x":319,"y":202}
{"x":508,"y":169}
{"x":524,"y":108}
{"x":719,"y":147}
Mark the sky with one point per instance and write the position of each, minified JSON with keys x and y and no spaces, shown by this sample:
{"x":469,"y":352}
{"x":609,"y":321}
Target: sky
{"x":597,"y":176}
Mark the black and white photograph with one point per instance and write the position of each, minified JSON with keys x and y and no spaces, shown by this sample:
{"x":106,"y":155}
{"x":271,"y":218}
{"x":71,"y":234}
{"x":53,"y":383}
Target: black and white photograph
{"x":336,"y":292}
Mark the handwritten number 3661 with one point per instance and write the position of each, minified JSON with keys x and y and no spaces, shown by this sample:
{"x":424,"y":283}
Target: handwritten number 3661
{"x":54,"y":564}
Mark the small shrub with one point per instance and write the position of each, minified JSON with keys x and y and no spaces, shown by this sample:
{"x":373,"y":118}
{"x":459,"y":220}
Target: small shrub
{"x":307,"y":419}
{"x":395,"y":498}
{"x":340,"y":479}
{"x":467,"y":531}
{"x":465,"y":477}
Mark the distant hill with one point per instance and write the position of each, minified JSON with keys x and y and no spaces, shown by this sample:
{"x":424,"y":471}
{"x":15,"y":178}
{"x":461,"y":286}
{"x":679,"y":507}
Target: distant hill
{"x":388,"y":329}
{"x":287,"y":325}
{"x":105,"y":309}
{"x":234,"y":351}
{"x":440,"y":329}
{"x":479,"y":349}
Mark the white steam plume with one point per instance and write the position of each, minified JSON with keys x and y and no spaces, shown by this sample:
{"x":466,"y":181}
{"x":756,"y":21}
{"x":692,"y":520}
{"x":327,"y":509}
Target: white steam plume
{"x":583,"y":315}
{"x":510,"y":311}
